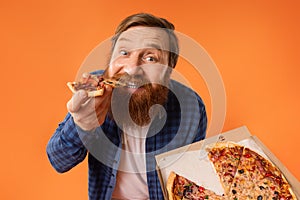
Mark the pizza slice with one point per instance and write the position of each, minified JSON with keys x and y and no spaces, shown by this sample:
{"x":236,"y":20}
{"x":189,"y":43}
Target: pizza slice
{"x":275,"y":188}
{"x":225,"y":157}
{"x":270,"y":182}
{"x":93,"y":84}
{"x":258,"y":178}
{"x":180,"y":188}
{"x":243,"y":185}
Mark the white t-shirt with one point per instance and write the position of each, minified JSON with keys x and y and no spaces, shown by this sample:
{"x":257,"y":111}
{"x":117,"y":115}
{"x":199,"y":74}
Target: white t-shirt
{"x":132,"y":175}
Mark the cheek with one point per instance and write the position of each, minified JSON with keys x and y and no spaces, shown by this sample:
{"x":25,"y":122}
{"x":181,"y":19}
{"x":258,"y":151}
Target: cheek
{"x":115,"y":66}
{"x":110,"y":71}
{"x":156,"y":74}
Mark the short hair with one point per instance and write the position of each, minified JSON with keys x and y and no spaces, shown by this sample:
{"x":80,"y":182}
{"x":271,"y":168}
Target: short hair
{"x":149,"y":20}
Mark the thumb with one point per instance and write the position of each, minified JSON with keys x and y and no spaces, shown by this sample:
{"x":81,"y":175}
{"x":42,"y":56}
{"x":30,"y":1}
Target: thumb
{"x":77,"y":100}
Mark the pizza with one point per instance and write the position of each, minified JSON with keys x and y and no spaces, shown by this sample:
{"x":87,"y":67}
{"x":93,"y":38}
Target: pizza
{"x":179,"y":187}
{"x":244,"y":174}
{"x":93,"y":84}
{"x":261,"y":178}
{"x":225,"y":158}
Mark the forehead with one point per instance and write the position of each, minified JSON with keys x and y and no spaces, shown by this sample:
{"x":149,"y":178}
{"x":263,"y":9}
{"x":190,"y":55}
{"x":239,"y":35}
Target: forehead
{"x":144,"y":37}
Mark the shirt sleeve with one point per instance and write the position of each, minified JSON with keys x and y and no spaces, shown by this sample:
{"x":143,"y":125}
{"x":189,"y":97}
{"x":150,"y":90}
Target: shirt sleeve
{"x":202,"y":128}
{"x":65,"y":148}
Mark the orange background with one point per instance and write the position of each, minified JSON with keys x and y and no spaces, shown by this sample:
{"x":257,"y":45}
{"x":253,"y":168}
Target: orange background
{"x":256,"y":46}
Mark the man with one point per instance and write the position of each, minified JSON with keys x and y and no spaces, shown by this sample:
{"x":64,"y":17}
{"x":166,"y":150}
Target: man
{"x":125,"y":128}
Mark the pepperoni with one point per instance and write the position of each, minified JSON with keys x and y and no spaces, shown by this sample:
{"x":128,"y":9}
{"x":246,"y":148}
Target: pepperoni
{"x":278,"y":180}
{"x":247,"y":155}
{"x":223,"y":152}
{"x":268,"y":174}
{"x":229,"y":174}
{"x":201,"y":189}
{"x":260,"y":166}
{"x":272,"y":187}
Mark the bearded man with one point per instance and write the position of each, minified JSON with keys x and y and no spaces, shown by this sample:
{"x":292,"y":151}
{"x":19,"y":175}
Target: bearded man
{"x":123,"y":130}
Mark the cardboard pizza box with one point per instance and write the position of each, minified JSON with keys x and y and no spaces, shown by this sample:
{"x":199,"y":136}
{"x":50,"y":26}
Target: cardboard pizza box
{"x":190,"y":161}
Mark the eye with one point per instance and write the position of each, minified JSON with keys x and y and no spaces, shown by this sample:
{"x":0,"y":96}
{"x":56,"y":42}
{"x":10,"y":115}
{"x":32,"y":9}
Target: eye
{"x":124,"y":52}
{"x":150,"y":59}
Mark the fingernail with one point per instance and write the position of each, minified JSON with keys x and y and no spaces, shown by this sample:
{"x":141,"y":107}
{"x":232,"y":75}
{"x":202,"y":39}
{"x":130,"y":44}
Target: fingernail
{"x":86,"y":75}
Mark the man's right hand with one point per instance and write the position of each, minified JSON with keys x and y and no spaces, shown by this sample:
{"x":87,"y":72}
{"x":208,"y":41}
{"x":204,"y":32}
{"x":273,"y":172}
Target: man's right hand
{"x":89,"y":112}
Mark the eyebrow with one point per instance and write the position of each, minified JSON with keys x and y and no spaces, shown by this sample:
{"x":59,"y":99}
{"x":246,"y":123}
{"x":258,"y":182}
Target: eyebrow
{"x":124,"y":39}
{"x":154,"y":45}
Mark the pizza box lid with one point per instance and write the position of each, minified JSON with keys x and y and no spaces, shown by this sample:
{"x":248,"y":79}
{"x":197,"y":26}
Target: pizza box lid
{"x":190,"y":158}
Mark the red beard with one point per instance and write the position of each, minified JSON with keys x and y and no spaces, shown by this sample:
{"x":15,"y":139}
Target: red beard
{"x":134,"y":107}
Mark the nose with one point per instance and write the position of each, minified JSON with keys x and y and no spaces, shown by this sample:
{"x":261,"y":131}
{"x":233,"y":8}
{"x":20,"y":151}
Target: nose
{"x":131,"y":65}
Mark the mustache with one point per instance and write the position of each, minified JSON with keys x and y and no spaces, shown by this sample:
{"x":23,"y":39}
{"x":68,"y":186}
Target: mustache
{"x":126,"y":79}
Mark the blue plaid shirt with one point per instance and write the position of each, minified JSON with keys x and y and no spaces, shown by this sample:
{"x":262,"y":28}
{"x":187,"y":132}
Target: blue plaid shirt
{"x":183,"y":122}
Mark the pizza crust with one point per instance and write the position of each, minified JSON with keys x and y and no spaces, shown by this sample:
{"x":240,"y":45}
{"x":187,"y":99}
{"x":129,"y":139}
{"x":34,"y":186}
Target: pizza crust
{"x":70,"y":86}
{"x":221,"y":145}
{"x":95,"y":93}
{"x":292,"y":193}
{"x":170,"y":185}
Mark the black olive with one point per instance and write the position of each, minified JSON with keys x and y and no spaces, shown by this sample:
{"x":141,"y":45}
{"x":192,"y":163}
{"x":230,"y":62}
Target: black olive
{"x":241,"y":171}
{"x":187,"y":188}
{"x":276,"y":193}
{"x":233,"y":191}
{"x":261,"y":187}
{"x":259,"y":197}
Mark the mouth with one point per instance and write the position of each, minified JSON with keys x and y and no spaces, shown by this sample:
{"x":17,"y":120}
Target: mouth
{"x":133,"y":84}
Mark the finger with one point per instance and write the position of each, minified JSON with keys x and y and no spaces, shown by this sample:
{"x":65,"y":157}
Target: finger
{"x":77,"y":100}
{"x":86,"y":75}
{"x":108,"y":90}
{"x":102,"y":111}
{"x":103,"y":105}
{"x":100,"y":102}
{"x":105,"y":97}
{"x":88,"y":122}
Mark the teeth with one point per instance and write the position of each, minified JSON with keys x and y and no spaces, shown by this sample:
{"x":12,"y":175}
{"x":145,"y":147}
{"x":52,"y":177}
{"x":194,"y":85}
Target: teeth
{"x":133,"y":85}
